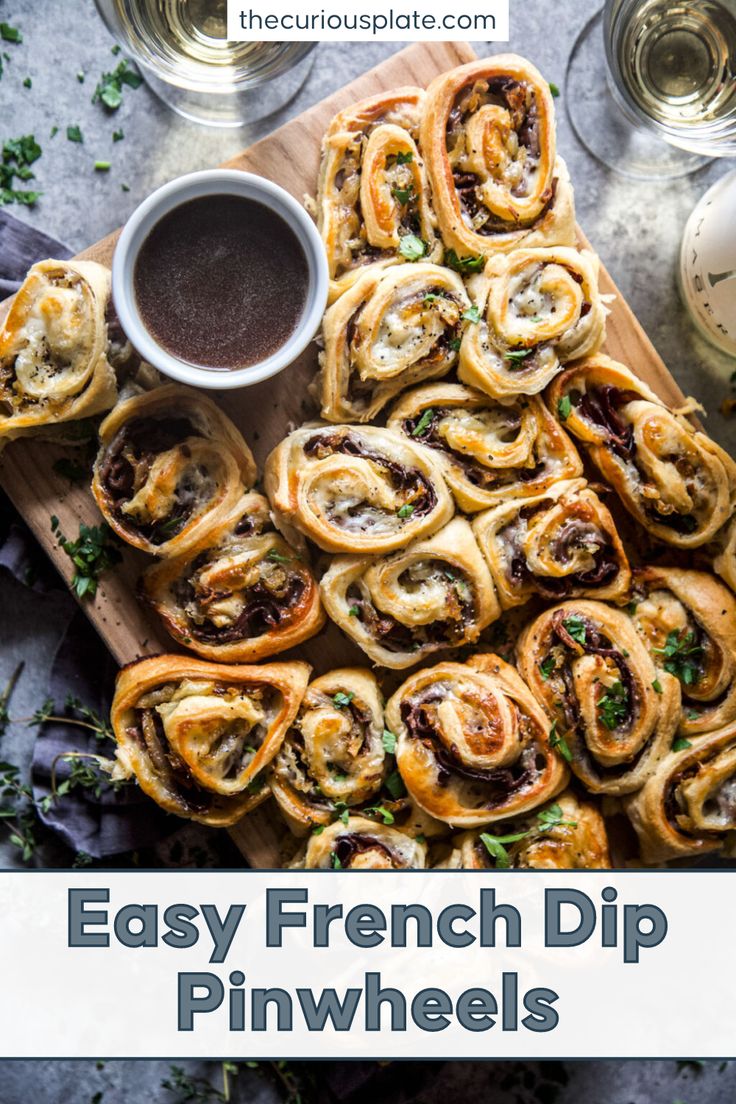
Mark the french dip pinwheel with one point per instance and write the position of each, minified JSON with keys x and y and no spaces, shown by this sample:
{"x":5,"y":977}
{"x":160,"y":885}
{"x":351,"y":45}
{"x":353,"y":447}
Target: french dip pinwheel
{"x":687,"y":807}
{"x":373,"y":201}
{"x":241,"y":593}
{"x":53,"y":348}
{"x":333,"y":757}
{"x":688,"y":620}
{"x":724,"y":549}
{"x":472,"y":743}
{"x":393,"y":328}
{"x":356,"y":489}
{"x":613,"y":713}
{"x":488,"y":138}
{"x":435,"y":594}
{"x":677,"y":483}
{"x":569,"y":834}
{"x":170,"y":466}
{"x":363,"y":844}
{"x":560,"y":544}
{"x":196,"y":735}
{"x":537,"y":309}
{"x":490,"y":452}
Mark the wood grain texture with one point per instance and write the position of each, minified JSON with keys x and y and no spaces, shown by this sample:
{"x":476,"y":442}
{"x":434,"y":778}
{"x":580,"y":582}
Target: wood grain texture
{"x":264,"y":414}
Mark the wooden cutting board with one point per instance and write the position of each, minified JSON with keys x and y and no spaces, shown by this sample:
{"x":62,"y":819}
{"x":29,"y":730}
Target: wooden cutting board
{"x":264,"y":414}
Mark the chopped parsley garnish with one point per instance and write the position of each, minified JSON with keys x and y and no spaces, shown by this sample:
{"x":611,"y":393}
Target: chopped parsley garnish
{"x":465,"y":264}
{"x":343,"y":813}
{"x":276,"y":557}
{"x":28,"y":83}
{"x":516,"y":356}
{"x":389,"y":741}
{"x":109,"y":90}
{"x":564,"y":408}
{"x":336,"y":864}
{"x":682,"y":655}
{"x":395,"y":785}
{"x":455,"y":344}
{"x":353,"y":611}
{"x":382,"y":811}
{"x":432,"y":297}
{"x":18,"y":154}
{"x":547,"y":666}
{"x":423,"y":422}
{"x":412,"y":247}
{"x":341,"y":699}
{"x":80,"y":76}
{"x":405,"y":511}
{"x":92,"y":553}
{"x":554,"y":89}
{"x":403,"y":194}
{"x":613,"y":706}
{"x":10,"y":34}
{"x":680,"y":744}
{"x":472,"y":314}
{"x":404,"y":158}
{"x":575,"y":627}
{"x":70,"y":469}
{"x":692,"y":715}
{"x":54,"y":132}
{"x":657,"y":686}
{"x":548,"y":819}
{"x":117,"y":136}
{"x":74,"y":134}
{"x":559,"y":743}
{"x":318,"y":830}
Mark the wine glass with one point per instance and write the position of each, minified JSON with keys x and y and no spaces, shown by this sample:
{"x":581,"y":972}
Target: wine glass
{"x":668,"y":104}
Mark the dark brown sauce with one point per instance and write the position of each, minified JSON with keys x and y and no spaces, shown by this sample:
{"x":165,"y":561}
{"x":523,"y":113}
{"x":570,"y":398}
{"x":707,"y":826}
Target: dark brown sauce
{"x":221,"y":282}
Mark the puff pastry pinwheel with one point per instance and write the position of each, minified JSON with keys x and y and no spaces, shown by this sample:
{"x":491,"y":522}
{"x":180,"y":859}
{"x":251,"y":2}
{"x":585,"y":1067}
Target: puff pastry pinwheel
{"x":687,"y":807}
{"x":688,"y":620}
{"x":489,"y":451}
{"x":673,"y":479}
{"x":363,"y":844}
{"x":560,"y":544}
{"x":488,"y":136}
{"x":170,"y":466}
{"x":569,"y":834}
{"x":435,"y":594}
{"x":393,"y":328}
{"x":196,"y":735}
{"x":53,"y":348}
{"x":472,"y":743}
{"x":613,"y":713}
{"x":373,"y":202}
{"x":724,"y":548}
{"x":333,"y":756}
{"x":241,"y":593}
{"x":356,"y":489}
{"x":537,"y":309}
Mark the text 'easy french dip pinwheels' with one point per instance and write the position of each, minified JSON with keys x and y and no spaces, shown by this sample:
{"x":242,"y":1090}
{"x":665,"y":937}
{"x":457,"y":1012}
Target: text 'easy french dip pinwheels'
{"x":472,"y":743}
{"x":677,"y":483}
{"x":614,"y":714}
{"x":197,"y":735}
{"x":53,"y":348}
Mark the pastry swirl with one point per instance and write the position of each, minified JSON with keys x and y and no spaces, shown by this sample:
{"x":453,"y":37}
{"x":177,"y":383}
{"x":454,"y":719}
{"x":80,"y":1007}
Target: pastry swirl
{"x":196,"y":735}
{"x":488,"y":136}
{"x":333,"y":756}
{"x":170,"y":466}
{"x":356,"y":489}
{"x":53,"y":348}
{"x":435,"y":594}
{"x":241,"y":593}
{"x":489,"y":451}
{"x":687,"y":807}
{"x":473,"y":743}
{"x":688,"y":620}
{"x":561,"y":544}
{"x":393,"y":328}
{"x":538,"y":309}
{"x":677,"y":483}
{"x":373,"y":188}
{"x":614,"y":714}
{"x":363,"y":844}
{"x":570,"y":834}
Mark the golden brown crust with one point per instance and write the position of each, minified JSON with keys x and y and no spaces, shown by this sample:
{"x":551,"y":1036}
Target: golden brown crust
{"x":241,"y":593}
{"x":333,"y":756}
{"x":559,"y":544}
{"x":363,"y":844}
{"x":688,"y":620}
{"x":198,"y":735}
{"x":170,"y":466}
{"x":490,"y":452}
{"x":677,"y":483}
{"x":53,"y":348}
{"x":435,"y":594}
{"x":394,"y":327}
{"x":373,"y":187}
{"x":724,"y":549}
{"x":488,"y":137}
{"x":355,"y":488}
{"x":612,"y":710}
{"x":687,"y":806}
{"x":472,"y":743}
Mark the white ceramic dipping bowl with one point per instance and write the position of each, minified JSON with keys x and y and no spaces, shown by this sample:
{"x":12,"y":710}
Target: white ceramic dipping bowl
{"x":195,"y":186}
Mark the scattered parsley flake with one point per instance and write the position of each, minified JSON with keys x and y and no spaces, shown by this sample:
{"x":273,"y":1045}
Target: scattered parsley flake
{"x":80,"y":76}
{"x":117,"y":135}
{"x":341,"y":699}
{"x":554,"y":89}
{"x":102,"y":166}
{"x":92,"y":553}
{"x":74,"y":134}
{"x":559,"y":743}
{"x":276,"y":557}
{"x":657,"y":686}
{"x":353,"y":611}
{"x":472,"y":314}
{"x":403,"y":195}
{"x":465,"y":264}
{"x":54,"y":132}
{"x":680,"y":744}
{"x":109,"y":90}
{"x":411,"y":247}
{"x":10,"y":34}
{"x":547,"y":666}
{"x":404,"y":158}
{"x":395,"y":785}
{"x":575,"y":627}
{"x":613,"y":706}
{"x":28,"y":83}
{"x":423,"y":422}
{"x":405,"y":511}
{"x":389,"y":741}
{"x":683,"y":655}
{"x":564,"y":408}
{"x":516,"y":356}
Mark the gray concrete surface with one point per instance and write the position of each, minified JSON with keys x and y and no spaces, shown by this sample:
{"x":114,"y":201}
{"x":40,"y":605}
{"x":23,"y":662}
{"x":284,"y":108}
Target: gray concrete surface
{"x":635,"y":226}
